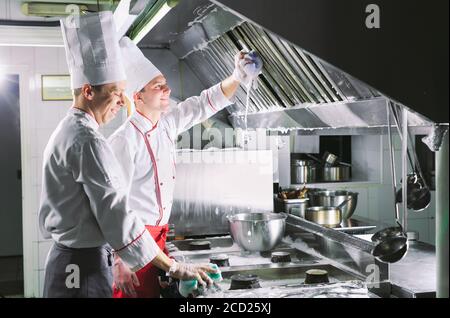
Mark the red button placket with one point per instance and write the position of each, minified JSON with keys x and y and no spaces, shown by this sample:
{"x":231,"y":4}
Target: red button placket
{"x":146,"y":138}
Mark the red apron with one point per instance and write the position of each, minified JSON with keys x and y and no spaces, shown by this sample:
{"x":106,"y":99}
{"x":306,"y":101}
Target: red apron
{"x":148,"y":276}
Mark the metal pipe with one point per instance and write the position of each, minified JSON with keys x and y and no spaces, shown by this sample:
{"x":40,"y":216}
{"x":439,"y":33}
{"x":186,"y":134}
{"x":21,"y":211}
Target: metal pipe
{"x":405,"y":168}
{"x":29,"y":23}
{"x":392,"y":159}
{"x":394,"y":113}
{"x":442,"y":211}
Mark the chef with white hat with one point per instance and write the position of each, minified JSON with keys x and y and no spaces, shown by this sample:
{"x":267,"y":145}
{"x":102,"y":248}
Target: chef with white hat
{"x":145,"y":148}
{"x":83,"y":206}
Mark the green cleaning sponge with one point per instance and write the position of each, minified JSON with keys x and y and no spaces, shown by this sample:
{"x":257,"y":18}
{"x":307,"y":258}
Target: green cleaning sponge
{"x":216,"y":277}
{"x":190,"y":287}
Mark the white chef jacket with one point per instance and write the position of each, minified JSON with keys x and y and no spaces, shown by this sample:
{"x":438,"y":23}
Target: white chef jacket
{"x":146,"y":153}
{"x":83,"y":201}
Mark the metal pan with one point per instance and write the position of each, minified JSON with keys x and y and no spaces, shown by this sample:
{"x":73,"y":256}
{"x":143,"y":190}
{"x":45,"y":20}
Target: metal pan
{"x":325,"y":216}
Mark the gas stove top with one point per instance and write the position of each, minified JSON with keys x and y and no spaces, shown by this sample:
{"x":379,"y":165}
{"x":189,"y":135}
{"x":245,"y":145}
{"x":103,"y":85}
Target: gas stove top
{"x":283,"y":267}
{"x":224,"y":248}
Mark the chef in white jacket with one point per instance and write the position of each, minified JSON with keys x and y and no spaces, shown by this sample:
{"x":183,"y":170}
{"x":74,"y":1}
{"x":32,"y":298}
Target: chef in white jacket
{"x":83,"y":206}
{"x":145,"y":148}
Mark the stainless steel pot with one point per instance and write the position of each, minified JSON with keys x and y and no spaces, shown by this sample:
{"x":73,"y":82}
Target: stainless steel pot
{"x":334,"y":199}
{"x":335,"y":174}
{"x":303,"y":171}
{"x":257,"y":232}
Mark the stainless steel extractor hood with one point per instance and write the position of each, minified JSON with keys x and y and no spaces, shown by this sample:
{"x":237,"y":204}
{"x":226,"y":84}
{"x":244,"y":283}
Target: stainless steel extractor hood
{"x":297,"y":89}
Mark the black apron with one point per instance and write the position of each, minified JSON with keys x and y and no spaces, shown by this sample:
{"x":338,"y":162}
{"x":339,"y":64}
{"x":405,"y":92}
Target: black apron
{"x":78,"y":272}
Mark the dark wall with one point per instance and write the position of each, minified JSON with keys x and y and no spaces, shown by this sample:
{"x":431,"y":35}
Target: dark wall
{"x":10,"y":163}
{"x":406,"y":58}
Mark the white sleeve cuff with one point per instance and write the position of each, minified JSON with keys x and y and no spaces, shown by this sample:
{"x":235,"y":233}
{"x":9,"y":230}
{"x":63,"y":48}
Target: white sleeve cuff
{"x":217,"y":98}
{"x":140,"y":252}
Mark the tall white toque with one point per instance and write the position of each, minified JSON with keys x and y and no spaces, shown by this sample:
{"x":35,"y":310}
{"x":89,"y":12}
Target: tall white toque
{"x":92,"y":49}
{"x":138,"y":68}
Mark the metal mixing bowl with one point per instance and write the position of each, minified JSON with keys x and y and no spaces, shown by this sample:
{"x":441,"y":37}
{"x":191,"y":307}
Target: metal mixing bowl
{"x":333,"y":199}
{"x":257,"y":232}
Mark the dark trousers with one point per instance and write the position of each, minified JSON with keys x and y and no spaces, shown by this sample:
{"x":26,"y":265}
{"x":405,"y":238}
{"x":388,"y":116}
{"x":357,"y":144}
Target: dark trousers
{"x":78,"y":272}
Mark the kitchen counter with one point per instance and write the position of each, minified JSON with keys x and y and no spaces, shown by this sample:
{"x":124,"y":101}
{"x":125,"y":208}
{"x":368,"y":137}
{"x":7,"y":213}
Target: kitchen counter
{"x":415,"y":275}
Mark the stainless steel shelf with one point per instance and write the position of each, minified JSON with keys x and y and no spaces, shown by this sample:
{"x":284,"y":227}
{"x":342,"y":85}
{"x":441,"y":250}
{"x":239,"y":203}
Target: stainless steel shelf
{"x":334,"y":184}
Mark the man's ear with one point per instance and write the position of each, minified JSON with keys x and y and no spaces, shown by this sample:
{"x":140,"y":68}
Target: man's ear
{"x":87,"y":91}
{"x":137,"y":97}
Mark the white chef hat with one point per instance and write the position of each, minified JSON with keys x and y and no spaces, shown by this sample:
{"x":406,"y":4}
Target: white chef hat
{"x":92,"y":49}
{"x":138,"y":68}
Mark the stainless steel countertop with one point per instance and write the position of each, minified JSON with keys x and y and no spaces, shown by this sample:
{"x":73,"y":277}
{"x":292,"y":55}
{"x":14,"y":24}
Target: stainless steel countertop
{"x":415,"y":274}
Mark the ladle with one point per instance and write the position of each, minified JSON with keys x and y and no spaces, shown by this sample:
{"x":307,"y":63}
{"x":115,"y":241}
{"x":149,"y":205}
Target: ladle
{"x":392,"y":242}
{"x":419,"y":195}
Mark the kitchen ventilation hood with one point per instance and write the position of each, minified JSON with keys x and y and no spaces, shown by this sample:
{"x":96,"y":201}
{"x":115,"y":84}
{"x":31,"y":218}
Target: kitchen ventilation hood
{"x":297,"y":90}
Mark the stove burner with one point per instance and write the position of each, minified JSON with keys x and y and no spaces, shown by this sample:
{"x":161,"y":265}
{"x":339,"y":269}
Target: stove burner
{"x":316,"y":276}
{"x":220,"y":260}
{"x":280,"y":257}
{"x":200,"y":245}
{"x":244,"y":281}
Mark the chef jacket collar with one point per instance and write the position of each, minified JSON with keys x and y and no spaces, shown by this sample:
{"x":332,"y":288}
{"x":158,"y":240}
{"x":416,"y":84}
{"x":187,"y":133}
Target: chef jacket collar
{"x":144,"y":123}
{"x":89,"y":118}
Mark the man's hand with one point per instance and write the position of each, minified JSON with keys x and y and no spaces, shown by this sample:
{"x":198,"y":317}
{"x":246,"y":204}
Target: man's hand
{"x":124,"y":278}
{"x":185,"y":271}
{"x":247,"y":66}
